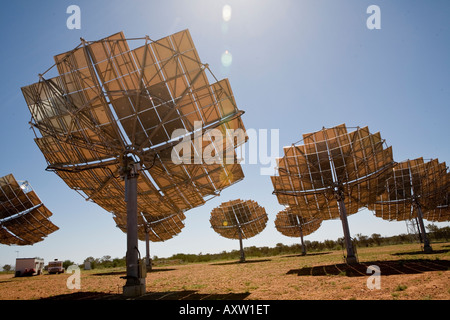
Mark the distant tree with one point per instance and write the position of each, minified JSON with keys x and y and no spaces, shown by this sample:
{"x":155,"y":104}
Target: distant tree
{"x":67,"y":263}
{"x":7,"y":267}
{"x":106,"y":262}
{"x":362,"y":240}
{"x":437,"y":233}
{"x":376,"y":238}
{"x":92,"y":261}
{"x":118,"y":262}
{"x":329,"y":244}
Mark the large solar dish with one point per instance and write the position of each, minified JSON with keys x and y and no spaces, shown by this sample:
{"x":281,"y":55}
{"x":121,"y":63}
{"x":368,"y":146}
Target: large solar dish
{"x":416,"y":189}
{"x":442,"y":211}
{"x":110,"y":102}
{"x":158,"y":229}
{"x":144,"y":115}
{"x":294,"y":225}
{"x":333,"y":173}
{"x":24,"y":219}
{"x":239,"y":219}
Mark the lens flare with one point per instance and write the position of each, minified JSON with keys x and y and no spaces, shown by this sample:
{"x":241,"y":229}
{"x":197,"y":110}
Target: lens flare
{"x":226,"y":12}
{"x":227,"y":58}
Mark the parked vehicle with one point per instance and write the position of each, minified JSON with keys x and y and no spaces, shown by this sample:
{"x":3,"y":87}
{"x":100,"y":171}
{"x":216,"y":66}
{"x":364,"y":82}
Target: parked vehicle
{"x":29,"y":267}
{"x":55,"y":266}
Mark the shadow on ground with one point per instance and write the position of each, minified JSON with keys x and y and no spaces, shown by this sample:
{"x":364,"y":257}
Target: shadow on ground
{"x":419,"y":252}
{"x":114,"y":273}
{"x":390,"y":267}
{"x":169,"y":295}
{"x":307,"y":255}
{"x":239,"y":262}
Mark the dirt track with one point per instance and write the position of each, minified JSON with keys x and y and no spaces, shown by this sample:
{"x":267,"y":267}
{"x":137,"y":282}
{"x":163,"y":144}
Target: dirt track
{"x":406,"y":273}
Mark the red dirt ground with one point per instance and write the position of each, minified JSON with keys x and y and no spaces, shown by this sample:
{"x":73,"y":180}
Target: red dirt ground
{"x":406,"y":274}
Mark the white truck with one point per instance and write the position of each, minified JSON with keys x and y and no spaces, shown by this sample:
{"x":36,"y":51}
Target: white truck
{"x":29,"y":267}
{"x":55,"y":266}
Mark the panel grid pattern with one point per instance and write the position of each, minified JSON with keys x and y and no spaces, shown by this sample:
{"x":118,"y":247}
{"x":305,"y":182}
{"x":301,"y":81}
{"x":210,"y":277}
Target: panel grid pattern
{"x":235,"y":216}
{"x":354,"y":162}
{"x":294,"y":225}
{"x":24,"y":220}
{"x":111,"y":101}
{"x":415,"y":182}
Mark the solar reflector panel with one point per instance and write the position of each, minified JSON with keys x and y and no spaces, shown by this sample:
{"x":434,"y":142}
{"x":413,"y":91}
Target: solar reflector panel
{"x":24,"y":220}
{"x":441,"y":213}
{"x":111,"y":101}
{"x":159,"y":228}
{"x":31,"y":227}
{"x":164,"y":228}
{"x":415,"y":182}
{"x":354,"y":162}
{"x":13,"y":199}
{"x":294,"y":225}
{"x":236,"y":216}
{"x":6,"y":237}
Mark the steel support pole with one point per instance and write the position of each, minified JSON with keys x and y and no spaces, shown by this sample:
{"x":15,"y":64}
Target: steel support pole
{"x":426,"y":243}
{"x":148,"y":261}
{"x":351,"y":257}
{"x":134,"y":286}
{"x":303,"y":243}
{"x":242,"y":259}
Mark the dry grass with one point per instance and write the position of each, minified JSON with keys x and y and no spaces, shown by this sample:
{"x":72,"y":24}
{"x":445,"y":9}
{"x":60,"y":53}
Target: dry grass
{"x":406,"y":273}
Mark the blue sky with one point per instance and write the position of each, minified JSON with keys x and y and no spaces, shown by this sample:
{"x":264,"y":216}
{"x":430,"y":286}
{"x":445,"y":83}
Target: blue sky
{"x":296,"y":66}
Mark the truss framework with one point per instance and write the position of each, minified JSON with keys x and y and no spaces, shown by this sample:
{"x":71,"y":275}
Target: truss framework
{"x":415,"y":183}
{"x":334,"y":173}
{"x":24,"y":220}
{"x":112,"y":106}
{"x":238,"y":218}
{"x":332,"y":163}
{"x":294,"y":225}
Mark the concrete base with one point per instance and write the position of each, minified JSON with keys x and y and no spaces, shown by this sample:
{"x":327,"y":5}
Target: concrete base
{"x":427,"y":249}
{"x":132,"y":291}
{"x":351,"y":260}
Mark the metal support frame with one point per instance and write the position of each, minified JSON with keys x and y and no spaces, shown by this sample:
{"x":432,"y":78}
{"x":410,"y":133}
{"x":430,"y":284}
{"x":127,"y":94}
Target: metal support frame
{"x":242,"y":257}
{"x":111,"y":140}
{"x":300,"y":228}
{"x":339,"y":196}
{"x":351,"y":256}
{"x":241,"y":246}
{"x":303,"y":243}
{"x":416,"y":205}
{"x":148,"y":261}
{"x":426,"y":242}
{"x":135,"y":285}
{"x":412,"y":227}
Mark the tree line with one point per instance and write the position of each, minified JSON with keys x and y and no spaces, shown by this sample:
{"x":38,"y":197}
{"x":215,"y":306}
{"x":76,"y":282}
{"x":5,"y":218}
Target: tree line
{"x":434,"y":233}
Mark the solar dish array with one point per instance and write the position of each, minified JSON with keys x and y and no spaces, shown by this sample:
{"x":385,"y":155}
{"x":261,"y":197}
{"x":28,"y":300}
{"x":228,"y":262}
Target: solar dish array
{"x":24,"y":220}
{"x":235,"y":216}
{"x":442,"y":211}
{"x":331,"y":162}
{"x":159,"y":228}
{"x":293,"y":225}
{"x":111,"y":104}
{"x":415,"y":182}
